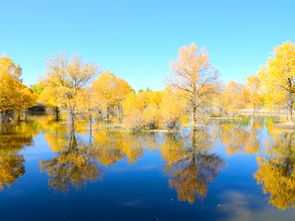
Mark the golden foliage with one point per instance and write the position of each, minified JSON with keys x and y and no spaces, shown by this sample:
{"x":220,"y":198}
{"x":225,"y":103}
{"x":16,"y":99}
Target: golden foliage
{"x":235,"y":97}
{"x":110,"y":91}
{"x":172,"y":108}
{"x":142,"y":110}
{"x":49,"y":96}
{"x":277,"y":77}
{"x":194,"y":77}
{"x":153,"y":109}
{"x":8,"y":66}
{"x":254,"y":96}
{"x":66,"y":77}
{"x":14,"y":96}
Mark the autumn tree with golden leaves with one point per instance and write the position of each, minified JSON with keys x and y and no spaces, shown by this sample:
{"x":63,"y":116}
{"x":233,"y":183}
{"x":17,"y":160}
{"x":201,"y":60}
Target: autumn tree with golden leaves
{"x":255,"y":98}
{"x":194,"y":77}
{"x":108,"y":93}
{"x":278,"y":77}
{"x":234,"y":97}
{"x":15,"y":97}
{"x":67,"y":76}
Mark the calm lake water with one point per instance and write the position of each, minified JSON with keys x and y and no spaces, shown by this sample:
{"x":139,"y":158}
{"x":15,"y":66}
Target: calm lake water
{"x":242,"y":170}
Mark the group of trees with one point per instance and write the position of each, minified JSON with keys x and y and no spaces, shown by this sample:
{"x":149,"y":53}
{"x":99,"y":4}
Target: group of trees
{"x":197,"y":81}
{"x":193,"y":91}
{"x":81,"y":91}
{"x":153,"y":109}
{"x":15,"y":97}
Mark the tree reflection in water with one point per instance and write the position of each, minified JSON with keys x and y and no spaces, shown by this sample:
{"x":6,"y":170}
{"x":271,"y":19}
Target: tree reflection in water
{"x":190,"y":165}
{"x":110,"y":146}
{"x":188,"y":159}
{"x":77,"y":162}
{"x":277,"y":168}
{"x":75,"y":165}
{"x":241,"y":136}
{"x":13,"y":138}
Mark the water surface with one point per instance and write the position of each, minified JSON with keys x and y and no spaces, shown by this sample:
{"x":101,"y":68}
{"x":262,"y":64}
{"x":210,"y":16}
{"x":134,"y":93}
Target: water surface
{"x":225,"y":170}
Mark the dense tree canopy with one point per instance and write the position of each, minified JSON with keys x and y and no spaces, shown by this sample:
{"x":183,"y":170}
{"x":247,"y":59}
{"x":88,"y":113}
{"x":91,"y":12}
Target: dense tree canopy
{"x":109,"y":92}
{"x":14,"y":95}
{"x":278,"y":76}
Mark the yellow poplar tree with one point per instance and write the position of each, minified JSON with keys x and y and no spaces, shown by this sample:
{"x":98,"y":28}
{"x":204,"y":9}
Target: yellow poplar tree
{"x":109,"y":92}
{"x":234,"y":97}
{"x":86,"y":105}
{"x":194,"y":76}
{"x":14,"y":95}
{"x":67,"y":76}
{"x":7,"y":65}
{"x":133,"y":106}
{"x":278,"y":77}
{"x":142,"y":110}
{"x":255,"y":98}
{"x":172,"y":108}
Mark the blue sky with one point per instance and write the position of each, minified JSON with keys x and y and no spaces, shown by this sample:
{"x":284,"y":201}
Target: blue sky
{"x":137,"y":40}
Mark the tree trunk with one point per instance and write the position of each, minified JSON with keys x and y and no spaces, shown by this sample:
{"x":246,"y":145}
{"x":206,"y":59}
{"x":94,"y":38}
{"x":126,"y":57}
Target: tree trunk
{"x":120,"y":114}
{"x":73,"y":117}
{"x":26,"y":115}
{"x":108,"y":115}
{"x":73,"y":141}
{"x":194,"y":116}
{"x":290,"y":99}
{"x":288,"y":160}
{"x":234,"y":114}
{"x":90,"y":130}
{"x":18,"y":116}
{"x":56,"y":113}
{"x":5,"y":116}
{"x":90,"y":124}
{"x":290,"y":106}
{"x":72,"y":121}
{"x":194,"y":137}
{"x":2,"y":116}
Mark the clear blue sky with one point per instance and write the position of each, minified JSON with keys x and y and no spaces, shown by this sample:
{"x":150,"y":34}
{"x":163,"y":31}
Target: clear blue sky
{"x":138,"y":39}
